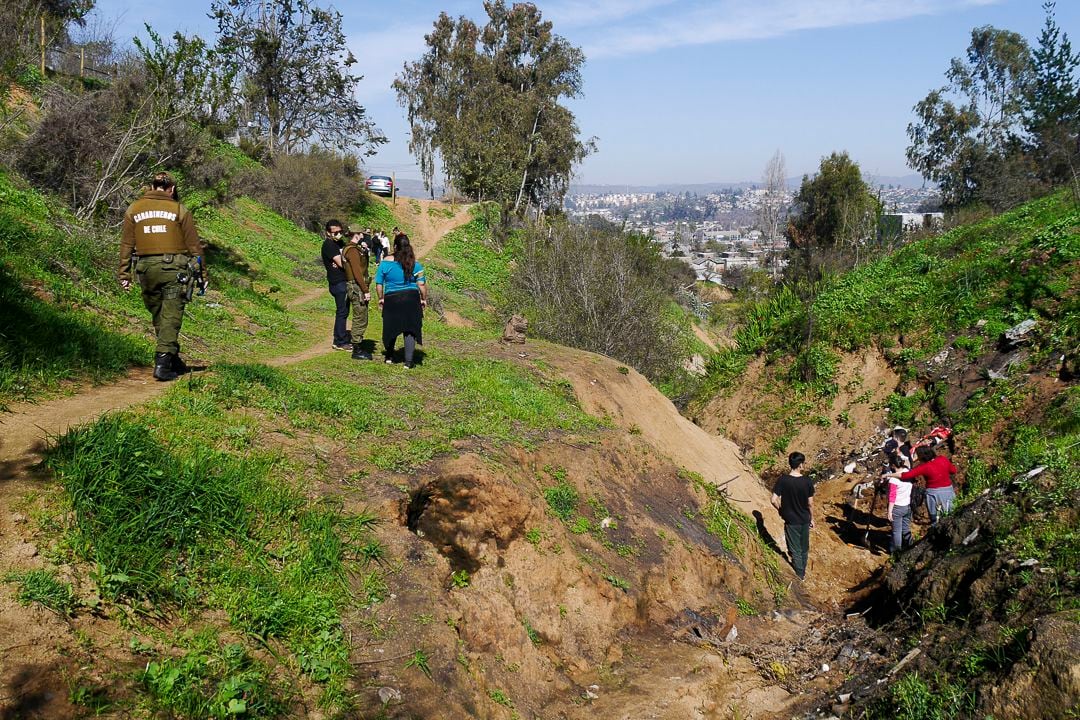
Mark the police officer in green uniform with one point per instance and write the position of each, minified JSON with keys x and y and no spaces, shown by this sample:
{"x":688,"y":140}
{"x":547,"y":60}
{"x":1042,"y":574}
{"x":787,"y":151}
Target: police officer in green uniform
{"x":160,"y":243}
{"x":355,"y":257}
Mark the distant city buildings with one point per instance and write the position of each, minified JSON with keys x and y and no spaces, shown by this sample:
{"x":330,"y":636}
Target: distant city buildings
{"x":715,"y":233}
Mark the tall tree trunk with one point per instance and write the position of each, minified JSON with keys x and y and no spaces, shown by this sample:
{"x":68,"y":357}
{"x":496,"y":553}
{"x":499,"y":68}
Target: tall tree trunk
{"x":528,"y":159}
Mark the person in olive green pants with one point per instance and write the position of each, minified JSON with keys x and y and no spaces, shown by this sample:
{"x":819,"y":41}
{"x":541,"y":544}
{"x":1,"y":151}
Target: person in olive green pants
{"x":160,"y":241}
{"x":356,"y":259}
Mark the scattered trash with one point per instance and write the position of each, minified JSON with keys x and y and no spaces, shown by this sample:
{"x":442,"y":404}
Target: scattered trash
{"x":590,"y":693}
{"x":968,"y":540}
{"x":1018,"y":334}
{"x":980,"y":324}
{"x":1030,"y":562}
{"x":844,"y":697}
{"x":940,"y":357}
{"x":213,"y":305}
{"x":388,"y":695}
{"x":907,"y":658}
{"x":732,"y":634}
{"x":1035,"y":472}
{"x":824,"y":667}
{"x":607,"y":522}
{"x":850,"y":468}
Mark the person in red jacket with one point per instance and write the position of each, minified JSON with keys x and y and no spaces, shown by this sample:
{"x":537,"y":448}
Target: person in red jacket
{"x":939,"y":472}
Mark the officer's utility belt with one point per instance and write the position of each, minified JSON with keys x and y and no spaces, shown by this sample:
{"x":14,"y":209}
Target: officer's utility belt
{"x":169,"y":257}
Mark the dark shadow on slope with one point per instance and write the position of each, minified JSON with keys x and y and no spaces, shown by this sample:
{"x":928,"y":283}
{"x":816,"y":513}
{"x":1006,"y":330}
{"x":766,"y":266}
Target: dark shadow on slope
{"x":41,"y":342}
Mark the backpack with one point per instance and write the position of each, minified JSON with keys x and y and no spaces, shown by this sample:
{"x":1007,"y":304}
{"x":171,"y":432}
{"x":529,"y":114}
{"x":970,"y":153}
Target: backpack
{"x":918,"y":494}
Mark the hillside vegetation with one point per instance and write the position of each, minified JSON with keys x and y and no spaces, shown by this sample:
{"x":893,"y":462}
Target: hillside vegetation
{"x":986,"y":596}
{"x":64,"y":316}
{"x":286,"y":538}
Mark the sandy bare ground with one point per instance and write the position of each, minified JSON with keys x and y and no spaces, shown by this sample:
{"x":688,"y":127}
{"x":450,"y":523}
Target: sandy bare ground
{"x":605,"y":387}
{"x":430,"y":220}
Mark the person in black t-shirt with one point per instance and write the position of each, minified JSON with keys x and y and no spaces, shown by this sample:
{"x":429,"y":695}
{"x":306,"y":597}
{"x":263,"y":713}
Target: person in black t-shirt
{"x":335,"y":278}
{"x":793,"y":498}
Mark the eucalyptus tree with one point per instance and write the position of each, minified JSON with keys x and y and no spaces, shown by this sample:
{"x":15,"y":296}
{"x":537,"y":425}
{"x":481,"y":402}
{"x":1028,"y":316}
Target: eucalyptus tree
{"x":294,"y":77}
{"x":488,"y":104}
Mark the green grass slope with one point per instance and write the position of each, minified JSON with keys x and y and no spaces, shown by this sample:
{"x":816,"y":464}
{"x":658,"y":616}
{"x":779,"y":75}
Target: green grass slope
{"x":63,"y":316}
{"x":936,"y":309}
{"x":958,"y":291}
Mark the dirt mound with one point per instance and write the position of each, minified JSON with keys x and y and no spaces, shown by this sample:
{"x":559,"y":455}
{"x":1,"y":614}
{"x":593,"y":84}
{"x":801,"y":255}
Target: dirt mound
{"x":605,"y":387}
{"x":750,"y":415}
{"x":573,"y":604}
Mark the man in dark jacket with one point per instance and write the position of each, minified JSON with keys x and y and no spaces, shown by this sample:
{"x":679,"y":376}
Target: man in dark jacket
{"x":160,"y":242}
{"x":337,"y":282}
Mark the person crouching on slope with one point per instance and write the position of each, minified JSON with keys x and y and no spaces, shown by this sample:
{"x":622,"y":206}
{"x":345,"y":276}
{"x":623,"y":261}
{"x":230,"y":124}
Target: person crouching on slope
{"x":355,"y":258}
{"x":793,"y":498}
{"x":402,"y":291}
{"x":160,"y":241}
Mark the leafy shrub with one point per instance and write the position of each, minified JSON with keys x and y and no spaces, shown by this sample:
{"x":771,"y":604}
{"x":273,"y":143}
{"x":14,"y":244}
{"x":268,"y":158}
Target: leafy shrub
{"x":310,"y":187}
{"x":600,"y":290}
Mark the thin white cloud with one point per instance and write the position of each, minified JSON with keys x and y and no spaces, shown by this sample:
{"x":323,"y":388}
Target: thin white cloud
{"x":574,"y":13}
{"x":734,"y":20}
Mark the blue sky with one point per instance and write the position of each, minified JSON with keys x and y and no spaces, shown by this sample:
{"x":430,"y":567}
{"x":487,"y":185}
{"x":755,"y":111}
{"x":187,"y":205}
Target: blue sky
{"x":695,"y":90}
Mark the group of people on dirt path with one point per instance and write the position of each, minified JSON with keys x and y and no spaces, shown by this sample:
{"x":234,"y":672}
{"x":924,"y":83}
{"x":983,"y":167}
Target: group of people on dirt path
{"x":400,"y":289}
{"x":160,"y":249}
{"x":912,"y":474}
{"x":904,"y":466}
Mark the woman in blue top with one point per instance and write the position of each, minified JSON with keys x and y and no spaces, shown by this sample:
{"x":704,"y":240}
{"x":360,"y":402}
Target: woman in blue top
{"x":399,"y":282}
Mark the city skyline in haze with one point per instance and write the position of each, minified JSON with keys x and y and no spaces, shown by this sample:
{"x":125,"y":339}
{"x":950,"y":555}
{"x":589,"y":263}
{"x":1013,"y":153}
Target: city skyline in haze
{"x":692,"y":91}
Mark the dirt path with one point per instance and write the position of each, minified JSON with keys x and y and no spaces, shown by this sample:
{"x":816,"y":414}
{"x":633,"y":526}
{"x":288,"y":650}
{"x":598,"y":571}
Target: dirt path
{"x":704,"y":337}
{"x":430,"y":220}
{"x":29,"y":425}
{"x":26,"y":428}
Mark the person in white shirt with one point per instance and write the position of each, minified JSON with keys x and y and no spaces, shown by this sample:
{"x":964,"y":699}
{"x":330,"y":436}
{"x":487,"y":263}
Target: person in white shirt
{"x":900,"y":512}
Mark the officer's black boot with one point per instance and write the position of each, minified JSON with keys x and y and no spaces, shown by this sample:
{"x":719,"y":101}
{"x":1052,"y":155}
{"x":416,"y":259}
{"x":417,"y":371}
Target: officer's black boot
{"x":179,"y":366}
{"x":163,"y":367}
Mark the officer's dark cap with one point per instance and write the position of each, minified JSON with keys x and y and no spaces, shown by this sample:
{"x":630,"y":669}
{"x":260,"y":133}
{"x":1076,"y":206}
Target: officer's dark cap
{"x":162,"y":180}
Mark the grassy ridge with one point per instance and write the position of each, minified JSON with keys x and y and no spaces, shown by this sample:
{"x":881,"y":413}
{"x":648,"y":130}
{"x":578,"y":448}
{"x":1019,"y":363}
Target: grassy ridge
{"x":1003,"y":270}
{"x":63,"y":316}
